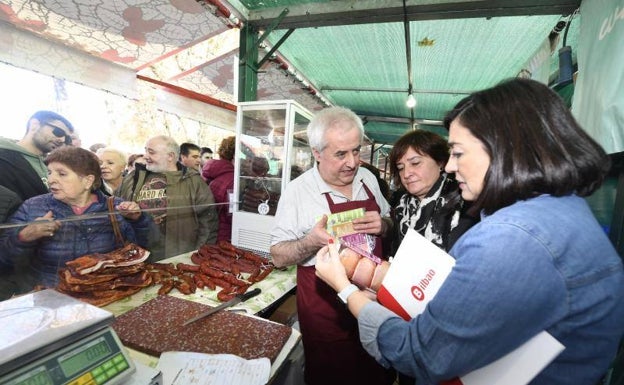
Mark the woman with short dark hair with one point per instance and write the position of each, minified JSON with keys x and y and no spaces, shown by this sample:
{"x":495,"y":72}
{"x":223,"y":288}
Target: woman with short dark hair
{"x":537,"y":261}
{"x":60,"y":226}
{"x":431,"y":203}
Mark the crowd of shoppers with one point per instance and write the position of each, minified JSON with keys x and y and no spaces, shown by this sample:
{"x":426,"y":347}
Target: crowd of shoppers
{"x":503,"y":196}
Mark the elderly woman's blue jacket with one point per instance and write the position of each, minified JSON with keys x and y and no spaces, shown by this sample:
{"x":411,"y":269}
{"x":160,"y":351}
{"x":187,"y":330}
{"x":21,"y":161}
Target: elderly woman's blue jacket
{"x":85,"y":235}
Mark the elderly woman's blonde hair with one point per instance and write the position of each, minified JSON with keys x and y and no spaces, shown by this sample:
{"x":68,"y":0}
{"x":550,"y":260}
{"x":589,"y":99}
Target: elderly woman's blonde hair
{"x":120,"y":154}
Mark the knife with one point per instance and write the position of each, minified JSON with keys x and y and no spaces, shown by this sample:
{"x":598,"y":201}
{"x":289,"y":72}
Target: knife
{"x":239,"y":298}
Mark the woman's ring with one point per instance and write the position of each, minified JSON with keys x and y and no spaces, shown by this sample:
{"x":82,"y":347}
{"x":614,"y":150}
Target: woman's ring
{"x":51,"y":234}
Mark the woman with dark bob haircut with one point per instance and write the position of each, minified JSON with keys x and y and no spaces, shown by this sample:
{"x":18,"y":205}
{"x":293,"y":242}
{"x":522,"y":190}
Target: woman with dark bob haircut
{"x":60,"y":226}
{"x":537,"y":261}
{"x":431,"y":204}
{"x":534,"y":144}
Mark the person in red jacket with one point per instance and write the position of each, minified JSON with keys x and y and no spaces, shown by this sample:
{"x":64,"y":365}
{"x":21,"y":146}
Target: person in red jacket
{"x":219,"y":174}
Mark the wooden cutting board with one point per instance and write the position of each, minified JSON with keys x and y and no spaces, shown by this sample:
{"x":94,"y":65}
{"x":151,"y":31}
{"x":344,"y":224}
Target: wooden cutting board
{"x":156,"y":327}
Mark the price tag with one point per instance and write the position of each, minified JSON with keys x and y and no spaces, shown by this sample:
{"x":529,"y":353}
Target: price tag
{"x":263,"y":208}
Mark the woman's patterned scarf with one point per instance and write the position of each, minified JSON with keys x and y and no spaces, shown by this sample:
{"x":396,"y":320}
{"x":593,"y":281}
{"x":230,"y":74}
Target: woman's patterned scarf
{"x":435,"y":216}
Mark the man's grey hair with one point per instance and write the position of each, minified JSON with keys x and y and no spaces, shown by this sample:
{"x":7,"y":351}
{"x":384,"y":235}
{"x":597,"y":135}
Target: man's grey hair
{"x":170,"y":144}
{"x":328,"y":118}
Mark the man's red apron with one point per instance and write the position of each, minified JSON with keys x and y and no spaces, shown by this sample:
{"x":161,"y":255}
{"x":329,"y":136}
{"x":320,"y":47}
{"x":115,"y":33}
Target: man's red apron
{"x":333,"y":353}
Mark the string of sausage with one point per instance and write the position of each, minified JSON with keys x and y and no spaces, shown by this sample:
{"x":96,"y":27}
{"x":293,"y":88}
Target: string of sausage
{"x":220,"y":265}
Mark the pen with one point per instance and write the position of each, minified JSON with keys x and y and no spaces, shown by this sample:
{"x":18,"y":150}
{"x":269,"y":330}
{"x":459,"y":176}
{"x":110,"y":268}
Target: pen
{"x":176,"y":377}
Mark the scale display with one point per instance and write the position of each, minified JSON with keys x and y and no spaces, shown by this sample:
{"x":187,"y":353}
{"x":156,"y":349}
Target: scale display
{"x":97,"y":359}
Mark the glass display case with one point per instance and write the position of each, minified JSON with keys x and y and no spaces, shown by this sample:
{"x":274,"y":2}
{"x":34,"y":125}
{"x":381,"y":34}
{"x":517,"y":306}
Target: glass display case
{"x":271,"y":150}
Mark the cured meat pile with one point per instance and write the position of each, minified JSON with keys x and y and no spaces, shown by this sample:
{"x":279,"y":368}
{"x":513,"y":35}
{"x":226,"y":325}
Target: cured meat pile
{"x":100,"y":279}
{"x":252,"y":198}
{"x":222,"y":267}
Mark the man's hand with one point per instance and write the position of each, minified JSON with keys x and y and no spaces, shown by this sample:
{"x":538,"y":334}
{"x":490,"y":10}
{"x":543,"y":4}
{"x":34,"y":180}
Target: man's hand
{"x":293,"y":252}
{"x":370,"y":223}
{"x":318,"y":235}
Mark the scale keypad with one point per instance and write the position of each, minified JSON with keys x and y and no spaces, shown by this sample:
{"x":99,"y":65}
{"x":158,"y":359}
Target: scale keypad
{"x":103,"y":372}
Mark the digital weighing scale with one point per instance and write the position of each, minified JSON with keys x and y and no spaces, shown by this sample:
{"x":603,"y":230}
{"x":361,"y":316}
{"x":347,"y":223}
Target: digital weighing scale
{"x":48,"y":338}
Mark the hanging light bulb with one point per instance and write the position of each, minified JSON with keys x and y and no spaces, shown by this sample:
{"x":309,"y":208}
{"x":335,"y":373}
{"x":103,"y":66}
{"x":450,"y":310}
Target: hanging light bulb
{"x":411,"y":101}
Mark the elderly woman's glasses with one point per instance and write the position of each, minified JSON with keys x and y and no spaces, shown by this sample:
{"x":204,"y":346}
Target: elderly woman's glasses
{"x":59,"y":133}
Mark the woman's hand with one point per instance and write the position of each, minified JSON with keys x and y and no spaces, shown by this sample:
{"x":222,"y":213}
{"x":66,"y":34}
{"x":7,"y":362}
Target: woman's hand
{"x":42,"y":227}
{"x":129,"y":210}
{"x":330,"y":269}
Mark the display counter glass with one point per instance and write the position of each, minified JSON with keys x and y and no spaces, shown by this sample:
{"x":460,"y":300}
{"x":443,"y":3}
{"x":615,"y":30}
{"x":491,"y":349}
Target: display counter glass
{"x":272,"y":150}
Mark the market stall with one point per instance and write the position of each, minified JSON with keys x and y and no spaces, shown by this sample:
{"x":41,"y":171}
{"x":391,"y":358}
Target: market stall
{"x":257,"y":337}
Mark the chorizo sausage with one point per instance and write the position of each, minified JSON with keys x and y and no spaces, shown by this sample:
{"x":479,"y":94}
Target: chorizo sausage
{"x":166,"y":287}
{"x":187,"y":267}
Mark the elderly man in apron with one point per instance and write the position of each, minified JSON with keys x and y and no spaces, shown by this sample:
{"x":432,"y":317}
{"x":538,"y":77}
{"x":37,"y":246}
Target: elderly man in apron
{"x":333,"y":353}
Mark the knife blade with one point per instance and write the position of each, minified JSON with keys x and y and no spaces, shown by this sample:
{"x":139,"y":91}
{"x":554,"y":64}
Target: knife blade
{"x":239,"y":298}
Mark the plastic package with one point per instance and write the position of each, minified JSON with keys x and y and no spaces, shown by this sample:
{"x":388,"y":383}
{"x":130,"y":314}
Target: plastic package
{"x":366,"y":271}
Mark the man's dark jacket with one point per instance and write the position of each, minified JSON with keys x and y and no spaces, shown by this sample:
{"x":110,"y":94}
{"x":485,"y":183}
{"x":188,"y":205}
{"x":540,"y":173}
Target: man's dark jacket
{"x":18,"y":175}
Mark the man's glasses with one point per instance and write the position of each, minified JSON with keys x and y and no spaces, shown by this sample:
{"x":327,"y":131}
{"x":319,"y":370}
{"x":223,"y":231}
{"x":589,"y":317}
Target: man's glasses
{"x":59,"y":133}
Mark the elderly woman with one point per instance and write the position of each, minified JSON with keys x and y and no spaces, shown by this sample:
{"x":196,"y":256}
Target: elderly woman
{"x":60,"y":226}
{"x":112,"y":164}
{"x":431,"y":204}
{"x":537,"y":261}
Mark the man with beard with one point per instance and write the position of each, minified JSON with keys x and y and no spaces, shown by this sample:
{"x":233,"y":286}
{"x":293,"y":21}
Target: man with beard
{"x":176,"y":197}
{"x":21,"y":163}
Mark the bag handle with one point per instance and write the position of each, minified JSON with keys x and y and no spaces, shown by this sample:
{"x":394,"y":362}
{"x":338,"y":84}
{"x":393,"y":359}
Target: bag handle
{"x":119,"y":239}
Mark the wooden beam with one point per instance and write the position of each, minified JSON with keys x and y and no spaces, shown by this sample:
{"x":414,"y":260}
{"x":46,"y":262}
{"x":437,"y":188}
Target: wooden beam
{"x":333,"y":13}
{"x":189,"y":94}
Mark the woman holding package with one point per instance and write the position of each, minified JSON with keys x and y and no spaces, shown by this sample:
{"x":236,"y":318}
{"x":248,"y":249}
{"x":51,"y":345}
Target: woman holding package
{"x":432,"y":204}
{"x":52,"y":236}
{"x":537,"y":261}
